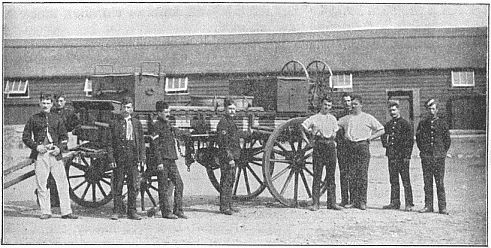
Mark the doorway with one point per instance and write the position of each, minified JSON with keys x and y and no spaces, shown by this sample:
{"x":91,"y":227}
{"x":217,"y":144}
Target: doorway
{"x":408,"y":104}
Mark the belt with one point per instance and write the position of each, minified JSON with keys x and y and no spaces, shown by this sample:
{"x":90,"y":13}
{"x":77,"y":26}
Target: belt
{"x":358,"y":142}
{"x":323,"y":139}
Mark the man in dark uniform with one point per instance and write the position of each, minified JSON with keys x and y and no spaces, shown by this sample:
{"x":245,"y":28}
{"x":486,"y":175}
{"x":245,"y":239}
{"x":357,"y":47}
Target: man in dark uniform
{"x":46,"y":135}
{"x":229,"y":144}
{"x":398,"y":141}
{"x":126,"y":150}
{"x":433,"y":140}
{"x":322,"y":128}
{"x":164,"y":144}
{"x":343,"y":156}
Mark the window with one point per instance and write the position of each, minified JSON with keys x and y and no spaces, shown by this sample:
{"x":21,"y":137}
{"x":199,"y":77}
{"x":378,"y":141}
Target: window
{"x":463,"y":79}
{"x":176,"y":85}
{"x":17,"y":89}
{"x":343,"y":81}
{"x":88,"y":88}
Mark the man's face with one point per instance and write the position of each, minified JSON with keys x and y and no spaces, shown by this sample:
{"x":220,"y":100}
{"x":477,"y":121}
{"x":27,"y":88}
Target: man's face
{"x":326,"y":107}
{"x":394,"y":112}
{"x":164,"y":114}
{"x":230,"y":110}
{"x":432,"y":110}
{"x":347,"y":102}
{"x":46,"y":105}
{"x":60,"y":103}
{"x":356,"y":105}
{"x":127,"y":109}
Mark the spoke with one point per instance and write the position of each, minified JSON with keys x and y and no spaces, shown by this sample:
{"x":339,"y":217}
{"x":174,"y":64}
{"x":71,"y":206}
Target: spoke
{"x":282,"y":153}
{"x":257,"y":151}
{"x":280,"y":173}
{"x":308,"y":171}
{"x":295,"y":192}
{"x":256,"y":163}
{"x":93,"y":192}
{"x":306,"y":184}
{"x":257,"y":159}
{"x":237,"y":181}
{"x":76,"y":176}
{"x":287,"y":182}
{"x":299,"y":145}
{"x":254,"y":174}
{"x":150,"y":196}
{"x":246,"y":179}
{"x":101,"y":189}
{"x":281,"y":146}
{"x":292,"y":145}
{"x":85,"y":191}
{"x":308,"y":162}
{"x":286,"y":161}
{"x":106,"y":182}
{"x":306,"y":156}
{"x":153,"y":187}
{"x":78,"y":186}
{"x":85,"y":161}
{"x":79,"y":166}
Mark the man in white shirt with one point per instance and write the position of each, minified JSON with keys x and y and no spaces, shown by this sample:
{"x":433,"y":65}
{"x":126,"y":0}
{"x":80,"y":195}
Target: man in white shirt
{"x":322,"y":128}
{"x":359,"y":129}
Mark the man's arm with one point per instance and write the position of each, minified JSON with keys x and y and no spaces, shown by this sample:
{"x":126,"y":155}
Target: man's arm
{"x":109,"y":143}
{"x":27,"y":135}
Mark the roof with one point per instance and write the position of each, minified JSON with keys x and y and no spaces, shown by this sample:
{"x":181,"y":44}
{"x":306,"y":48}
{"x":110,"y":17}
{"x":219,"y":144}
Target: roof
{"x":351,"y":50}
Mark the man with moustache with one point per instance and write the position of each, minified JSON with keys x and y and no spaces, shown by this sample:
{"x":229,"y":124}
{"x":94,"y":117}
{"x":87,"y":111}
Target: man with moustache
{"x":126,"y":150}
{"x":398,"y":141}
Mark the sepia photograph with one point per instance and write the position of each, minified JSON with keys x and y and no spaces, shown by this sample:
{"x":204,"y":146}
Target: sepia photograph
{"x":245,"y":124}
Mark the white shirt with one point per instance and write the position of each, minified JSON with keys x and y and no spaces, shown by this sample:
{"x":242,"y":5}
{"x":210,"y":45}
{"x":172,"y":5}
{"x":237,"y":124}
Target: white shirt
{"x":359,"y":127}
{"x":323,"y":125}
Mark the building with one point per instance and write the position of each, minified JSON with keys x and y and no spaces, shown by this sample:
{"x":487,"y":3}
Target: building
{"x":411,"y":65}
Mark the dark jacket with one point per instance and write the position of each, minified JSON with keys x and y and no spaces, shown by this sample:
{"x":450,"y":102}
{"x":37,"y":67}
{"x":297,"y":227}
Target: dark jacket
{"x":117,"y":137}
{"x":398,"y":139}
{"x":68,"y":116}
{"x":35,"y":132}
{"x":340,"y":139}
{"x":164,"y":146}
{"x":228,"y":139}
{"x":433,"y":137}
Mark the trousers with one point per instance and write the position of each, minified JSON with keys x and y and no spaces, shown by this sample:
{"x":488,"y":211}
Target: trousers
{"x":400,"y":166}
{"x":434,"y":167}
{"x":344,"y":169}
{"x":170,"y":172}
{"x":227,"y":180}
{"x":359,"y":156}
{"x":46,"y":164}
{"x":324,"y":155}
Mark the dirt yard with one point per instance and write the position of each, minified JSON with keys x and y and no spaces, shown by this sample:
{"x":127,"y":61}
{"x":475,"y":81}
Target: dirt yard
{"x":263,"y":221}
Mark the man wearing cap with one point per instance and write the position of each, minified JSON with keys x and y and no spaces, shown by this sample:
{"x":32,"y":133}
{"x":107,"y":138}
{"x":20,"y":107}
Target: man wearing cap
{"x":359,"y":129}
{"x":398,"y":142}
{"x":343,"y":155}
{"x":322,"y":128}
{"x":46,"y":135}
{"x":229,"y":145}
{"x":164,"y":149}
{"x":433,"y":141}
{"x":125,"y":150}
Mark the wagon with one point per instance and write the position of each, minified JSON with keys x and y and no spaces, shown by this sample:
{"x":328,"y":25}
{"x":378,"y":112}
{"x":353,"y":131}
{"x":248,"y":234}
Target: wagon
{"x":273,"y":156}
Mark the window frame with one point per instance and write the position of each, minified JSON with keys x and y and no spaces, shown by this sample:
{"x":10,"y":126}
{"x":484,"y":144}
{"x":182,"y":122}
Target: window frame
{"x":350,"y":86}
{"x":176,"y":91}
{"x":18,"y":93}
{"x":460,"y":73}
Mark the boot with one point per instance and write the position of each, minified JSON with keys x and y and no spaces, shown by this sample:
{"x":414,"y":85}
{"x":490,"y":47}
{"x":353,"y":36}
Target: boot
{"x":331,"y":199}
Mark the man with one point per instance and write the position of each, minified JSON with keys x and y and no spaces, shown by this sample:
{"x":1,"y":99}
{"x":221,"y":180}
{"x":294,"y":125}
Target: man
{"x":229,"y":144}
{"x":46,"y":135}
{"x":322,"y":128}
{"x":359,"y":129}
{"x":126,"y":150}
{"x":164,"y":145}
{"x":398,"y":142}
{"x":70,"y":120}
{"x":433,"y":140}
{"x":342,"y":156}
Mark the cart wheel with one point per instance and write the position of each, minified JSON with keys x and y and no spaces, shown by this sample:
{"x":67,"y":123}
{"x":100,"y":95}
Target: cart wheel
{"x":287,"y":157}
{"x":249,"y":182}
{"x":89,"y":178}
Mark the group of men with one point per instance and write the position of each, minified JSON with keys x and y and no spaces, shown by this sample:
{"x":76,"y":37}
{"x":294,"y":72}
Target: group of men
{"x":347,"y":140}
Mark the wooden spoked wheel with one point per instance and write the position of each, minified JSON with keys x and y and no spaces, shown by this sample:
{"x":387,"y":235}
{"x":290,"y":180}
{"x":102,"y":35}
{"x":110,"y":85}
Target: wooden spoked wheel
{"x":287,"y":165}
{"x":249,"y":182}
{"x":294,"y":68}
{"x":89,"y":178}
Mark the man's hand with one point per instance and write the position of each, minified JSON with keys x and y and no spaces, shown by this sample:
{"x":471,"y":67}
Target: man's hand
{"x":160,"y":167}
{"x":112,"y":165}
{"x":231,"y":163}
{"x":41,"y":149}
{"x":55,"y":151}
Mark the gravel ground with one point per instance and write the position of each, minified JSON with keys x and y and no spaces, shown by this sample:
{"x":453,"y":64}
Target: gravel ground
{"x":263,"y":221}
